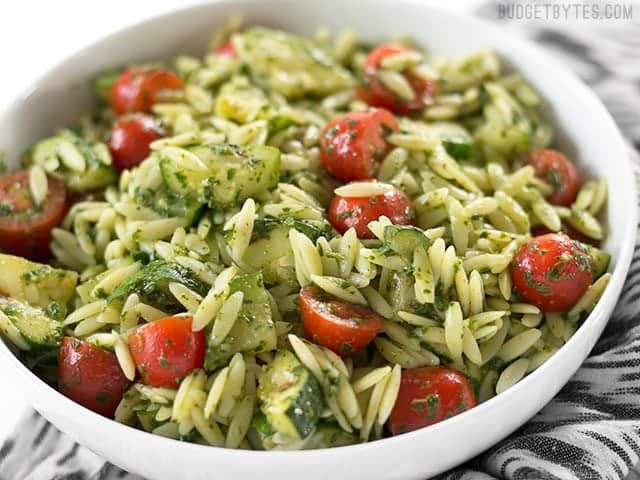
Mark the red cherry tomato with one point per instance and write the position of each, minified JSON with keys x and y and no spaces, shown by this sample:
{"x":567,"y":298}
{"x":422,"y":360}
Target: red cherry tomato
{"x":353,"y":142}
{"x":561,"y":174}
{"x":137,"y":89}
{"x":567,"y":230}
{"x":376,"y":94}
{"x":25,"y":229}
{"x":91,"y":376}
{"x":552,"y":272}
{"x":227,"y":50}
{"x":339,"y":326}
{"x":167,"y":350}
{"x":358,"y":212}
{"x":429,"y":395}
{"x":130,"y":140}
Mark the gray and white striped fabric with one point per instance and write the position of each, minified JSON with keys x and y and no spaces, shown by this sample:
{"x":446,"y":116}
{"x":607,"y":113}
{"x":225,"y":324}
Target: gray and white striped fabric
{"x":591,"y":430}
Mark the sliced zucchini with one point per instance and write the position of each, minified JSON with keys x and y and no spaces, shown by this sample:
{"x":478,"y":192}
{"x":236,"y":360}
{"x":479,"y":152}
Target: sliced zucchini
{"x":147,"y":420}
{"x":600,"y":260}
{"x":36,"y":283}
{"x":163,"y":199}
{"x":314,"y":229}
{"x":271,"y":254}
{"x":232,"y":173}
{"x":279,"y":122}
{"x":254,"y":331}
{"x":290,"y":65}
{"x":166,"y":202}
{"x":93,"y":179}
{"x":398,"y":290}
{"x":455,"y":138}
{"x":38,"y":329}
{"x":404,"y":240}
{"x":260,"y":433}
{"x":290,"y":396}
{"x":151,"y":283}
{"x":147,"y":416}
{"x":84,"y":165}
{"x":241,"y":102}
{"x":458,"y":148}
{"x":270,"y":251}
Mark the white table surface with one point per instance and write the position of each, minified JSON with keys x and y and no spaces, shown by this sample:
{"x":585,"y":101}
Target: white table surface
{"x":35,"y":35}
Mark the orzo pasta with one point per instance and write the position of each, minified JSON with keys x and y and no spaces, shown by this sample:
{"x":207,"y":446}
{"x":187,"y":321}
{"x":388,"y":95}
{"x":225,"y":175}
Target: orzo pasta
{"x":295,"y":243}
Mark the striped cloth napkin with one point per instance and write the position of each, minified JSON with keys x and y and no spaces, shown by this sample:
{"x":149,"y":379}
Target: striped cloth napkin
{"x":591,"y":430}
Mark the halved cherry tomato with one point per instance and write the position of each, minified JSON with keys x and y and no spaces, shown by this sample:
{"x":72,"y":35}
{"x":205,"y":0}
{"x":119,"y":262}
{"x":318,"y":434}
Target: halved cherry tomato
{"x":25,"y":229}
{"x":552,"y":272}
{"x":342,"y":327}
{"x":130,"y":140}
{"x":137,"y":89}
{"x":353,"y":142}
{"x":567,"y":230}
{"x":358,"y":212}
{"x":429,"y":395}
{"x":557,"y":169}
{"x":376,"y":94}
{"x":226,"y":50}
{"x":91,"y":376}
{"x":167,"y":350}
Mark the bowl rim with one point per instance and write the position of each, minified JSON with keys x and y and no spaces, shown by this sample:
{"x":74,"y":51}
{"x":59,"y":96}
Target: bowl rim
{"x":606,"y":302}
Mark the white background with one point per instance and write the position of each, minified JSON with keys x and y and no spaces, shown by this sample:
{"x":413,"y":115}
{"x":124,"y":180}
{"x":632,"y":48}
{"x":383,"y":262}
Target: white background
{"x":35,"y":35}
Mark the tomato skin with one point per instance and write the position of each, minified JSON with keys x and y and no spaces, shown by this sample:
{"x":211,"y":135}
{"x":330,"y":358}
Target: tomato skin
{"x":552,"y":272}
{"x":24,"y":231}
{"x":559,"y":171}
{"x":136,"y":90}
{"x":227,"y":50}
{"x":130,"y":139}
{"x":90,"y":376}
{"x":339,"y":326}
{"x":358,"y":212}
{"x":352,"y":143}
{"x":376,"y":94}
{"x":167,"y":350}
{"x":429,"y":395}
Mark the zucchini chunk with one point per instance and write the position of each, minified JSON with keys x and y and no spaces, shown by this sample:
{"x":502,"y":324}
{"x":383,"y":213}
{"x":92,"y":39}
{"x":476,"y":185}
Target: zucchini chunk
{"x":599,"y":258}
{"x":290,"y":65}
{"x":314,"y":229}
{"x":456,"y":140}
{"x":36,"y":283}
{"x":270,"y":248}
{"x":231,"y":174}
{"x":35,"y":327}
{"x":66,"y":150}
{"x":152,"y":281}
{"x":162,"y":199}
{"x":254,"y":331}
{"x":398,"y":291}
{"x":271,"y":254}
{"x":290,"y":396}
{"x":404,"y":240}
{"x":240,"y":101}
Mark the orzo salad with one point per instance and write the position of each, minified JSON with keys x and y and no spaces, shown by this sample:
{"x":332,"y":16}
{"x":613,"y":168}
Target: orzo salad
{"x":297,"y":243}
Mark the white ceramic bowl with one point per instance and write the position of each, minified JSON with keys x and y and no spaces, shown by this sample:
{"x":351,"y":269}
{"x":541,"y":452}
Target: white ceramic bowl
{"x":586,"y":132}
